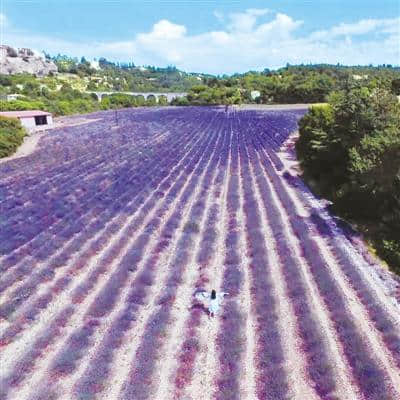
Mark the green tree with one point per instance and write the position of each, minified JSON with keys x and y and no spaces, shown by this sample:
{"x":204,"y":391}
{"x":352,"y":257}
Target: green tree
{"x":5,"y":80}
{"x":396,"y":86}
{"x":162,"y":100}
{"x":350,"y":153}
{"x":140,"y":100}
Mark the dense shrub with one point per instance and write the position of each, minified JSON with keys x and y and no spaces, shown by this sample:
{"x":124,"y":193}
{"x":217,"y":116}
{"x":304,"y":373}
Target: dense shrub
{"x":11,"y":135}
{"x":350,"y":153}
{"x":21,"y":105}
{"x":119,"y":100}
{"x":203,"y":95}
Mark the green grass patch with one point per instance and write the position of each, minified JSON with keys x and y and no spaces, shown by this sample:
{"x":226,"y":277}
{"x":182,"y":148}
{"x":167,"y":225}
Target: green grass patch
{"x":11,"y":136}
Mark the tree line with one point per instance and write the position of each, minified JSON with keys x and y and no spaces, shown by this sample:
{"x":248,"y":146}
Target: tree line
{"x":349,"y":151}
{"x":291,"y":84}
{"x":65,"y":94}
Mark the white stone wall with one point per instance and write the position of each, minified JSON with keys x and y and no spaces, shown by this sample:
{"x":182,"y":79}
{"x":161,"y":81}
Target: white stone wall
{"x":12,"y":97}
{"x":28,"y":122}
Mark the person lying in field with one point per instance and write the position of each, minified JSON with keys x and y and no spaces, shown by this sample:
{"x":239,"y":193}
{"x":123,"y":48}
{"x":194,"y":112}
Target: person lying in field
{"x":214,"y":300}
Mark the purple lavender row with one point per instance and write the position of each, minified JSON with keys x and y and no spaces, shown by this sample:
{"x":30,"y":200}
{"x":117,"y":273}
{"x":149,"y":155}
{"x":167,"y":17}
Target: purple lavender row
{"x":273,"y":126}
{"x":104,"y":145}
{"x":276,"y":126}
{"x":63,"y":282}
{"x":82,"y":290}
{"x":48,"y":273}
{"x":107,"y":298}
{"x":138,"y":289}
{"x":271,"y":379}
{"x":230,"y":336}
{"x":88,"y":137}
{"x":371,"y":379}
{"x":44,"y":182}
{"x":81,"y":143}
{"x":25,"y":365}
{"x":23,"y":292}
{"x":116,"y":153}
{"x":74,"y":216}
{"x":377,"y":313}
{"x":86,"y":227}
{"x":61,"y":207}
{"x":138,"y":384}
{"x":66,"y":360}
{"x":100,"y":146}
{"x":317,"y":355}
{"x":190,"y":343}
{"x":39,"y":201}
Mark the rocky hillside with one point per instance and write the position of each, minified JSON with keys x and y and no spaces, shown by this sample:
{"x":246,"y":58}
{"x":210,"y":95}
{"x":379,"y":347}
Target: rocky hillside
{"x":14,"y":61}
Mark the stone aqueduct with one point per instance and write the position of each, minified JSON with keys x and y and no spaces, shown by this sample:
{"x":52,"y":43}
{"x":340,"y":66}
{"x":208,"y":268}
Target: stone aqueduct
{"x":169,"y":96}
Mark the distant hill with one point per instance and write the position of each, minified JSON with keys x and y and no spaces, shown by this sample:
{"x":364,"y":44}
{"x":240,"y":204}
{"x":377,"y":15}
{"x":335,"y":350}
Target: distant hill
{"x":105,"y":75}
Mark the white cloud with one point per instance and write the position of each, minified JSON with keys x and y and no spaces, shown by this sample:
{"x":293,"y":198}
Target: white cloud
{"x":281,"y":27}
{"x":359,"y":28}
{"x":164,"y":30}
{"x":362,"y":27}
{"x":253,"y":39}
{"x":244,"y":22}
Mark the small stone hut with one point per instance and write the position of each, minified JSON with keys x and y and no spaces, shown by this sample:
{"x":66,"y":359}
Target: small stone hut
{"x":30,"y":119}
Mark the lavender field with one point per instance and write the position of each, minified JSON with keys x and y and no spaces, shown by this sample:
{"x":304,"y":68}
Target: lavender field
{"x":109,"y":228}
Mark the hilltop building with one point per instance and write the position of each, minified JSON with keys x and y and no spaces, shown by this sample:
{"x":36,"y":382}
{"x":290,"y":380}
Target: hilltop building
{"x":255,"y":94}
{"x":10,"y":97}
{"x":95,"y":65}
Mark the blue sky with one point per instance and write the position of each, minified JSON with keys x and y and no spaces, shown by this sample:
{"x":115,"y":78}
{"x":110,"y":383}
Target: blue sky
{"x":221,"y":36}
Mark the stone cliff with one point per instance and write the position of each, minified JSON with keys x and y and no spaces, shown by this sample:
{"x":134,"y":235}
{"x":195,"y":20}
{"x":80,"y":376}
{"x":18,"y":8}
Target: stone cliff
{"x":19,"y":61}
